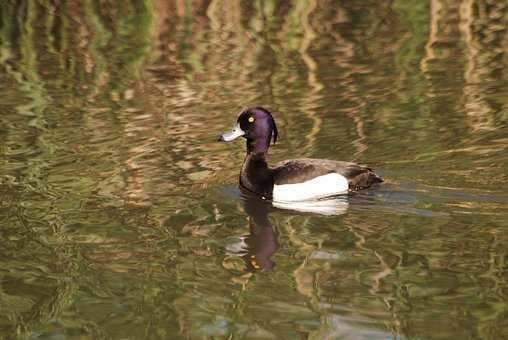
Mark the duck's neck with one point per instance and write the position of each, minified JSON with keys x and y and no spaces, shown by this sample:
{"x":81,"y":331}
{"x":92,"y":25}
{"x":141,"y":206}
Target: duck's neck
{"x":256,"y":176}
{"x":258,"y":146}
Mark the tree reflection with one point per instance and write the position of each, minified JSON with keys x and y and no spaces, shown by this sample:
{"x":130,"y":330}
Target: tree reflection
{"x":107,"y":167}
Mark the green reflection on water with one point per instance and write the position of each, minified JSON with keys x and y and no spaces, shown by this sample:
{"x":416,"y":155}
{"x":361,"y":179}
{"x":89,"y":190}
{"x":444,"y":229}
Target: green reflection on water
{"x":119,"y":213}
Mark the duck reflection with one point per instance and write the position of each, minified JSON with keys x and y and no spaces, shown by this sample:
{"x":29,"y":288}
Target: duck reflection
{"x":261,"y":243}
{"x":336,"y":205}
{"x":257,"y":248}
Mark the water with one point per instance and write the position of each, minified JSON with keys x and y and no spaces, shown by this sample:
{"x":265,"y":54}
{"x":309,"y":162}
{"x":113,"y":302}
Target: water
{"x":119,"y":212}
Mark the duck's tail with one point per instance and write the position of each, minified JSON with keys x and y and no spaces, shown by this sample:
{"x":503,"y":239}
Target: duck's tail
{"x":365,"y":180}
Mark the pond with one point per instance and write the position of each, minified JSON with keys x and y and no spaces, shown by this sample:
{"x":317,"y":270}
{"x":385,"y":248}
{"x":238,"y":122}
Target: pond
{"x":120,"y":213}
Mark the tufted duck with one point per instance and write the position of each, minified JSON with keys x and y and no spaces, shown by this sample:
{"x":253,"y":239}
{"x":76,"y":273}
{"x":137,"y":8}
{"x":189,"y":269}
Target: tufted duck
{"x":291,"y":180}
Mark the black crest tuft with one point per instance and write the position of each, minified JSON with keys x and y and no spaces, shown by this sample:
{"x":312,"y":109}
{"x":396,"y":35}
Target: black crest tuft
{"x":275,"y":132}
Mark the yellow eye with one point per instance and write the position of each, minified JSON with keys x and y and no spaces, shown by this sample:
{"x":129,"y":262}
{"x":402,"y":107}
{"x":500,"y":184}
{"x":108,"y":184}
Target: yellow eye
{"x":251,"y":119}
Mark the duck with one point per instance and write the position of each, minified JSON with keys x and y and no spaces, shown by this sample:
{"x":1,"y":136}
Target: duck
{"x":293,"y":180}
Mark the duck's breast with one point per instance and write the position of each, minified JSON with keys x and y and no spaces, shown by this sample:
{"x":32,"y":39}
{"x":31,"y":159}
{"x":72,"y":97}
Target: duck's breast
{"x":318,"y":187}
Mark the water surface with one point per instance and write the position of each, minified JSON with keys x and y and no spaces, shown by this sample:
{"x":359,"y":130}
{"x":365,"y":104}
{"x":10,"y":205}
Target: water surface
{"x":119,"y":212}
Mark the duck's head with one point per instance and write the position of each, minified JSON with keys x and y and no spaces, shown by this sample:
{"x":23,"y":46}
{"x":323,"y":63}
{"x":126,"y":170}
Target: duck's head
{"x":255,"y":124}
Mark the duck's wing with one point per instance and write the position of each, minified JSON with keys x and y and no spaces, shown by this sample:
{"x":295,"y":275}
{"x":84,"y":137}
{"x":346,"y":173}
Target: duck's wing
{"x":301,"y":170}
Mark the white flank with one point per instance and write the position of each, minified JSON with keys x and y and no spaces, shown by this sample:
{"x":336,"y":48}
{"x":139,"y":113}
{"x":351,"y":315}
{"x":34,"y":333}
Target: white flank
{"x":319,"y":187}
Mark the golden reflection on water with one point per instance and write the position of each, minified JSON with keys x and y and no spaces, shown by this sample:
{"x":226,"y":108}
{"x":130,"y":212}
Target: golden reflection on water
{"x":115,"y":221}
